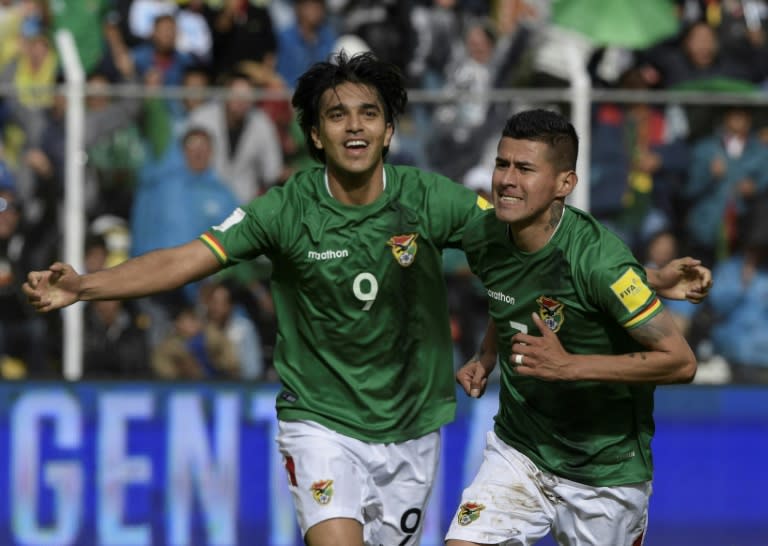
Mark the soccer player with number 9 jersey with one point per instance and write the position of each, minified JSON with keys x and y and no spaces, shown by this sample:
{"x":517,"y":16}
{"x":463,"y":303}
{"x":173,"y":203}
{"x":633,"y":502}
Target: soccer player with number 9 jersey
{"x":363,"y":349}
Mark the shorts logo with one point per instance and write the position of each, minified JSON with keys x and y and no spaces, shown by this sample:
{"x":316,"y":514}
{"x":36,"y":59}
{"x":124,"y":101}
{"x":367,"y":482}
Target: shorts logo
{"x":551,"y":312}
{"x":469,"y":512}
{"x":404,"y":248}
{"x":322,"y":491}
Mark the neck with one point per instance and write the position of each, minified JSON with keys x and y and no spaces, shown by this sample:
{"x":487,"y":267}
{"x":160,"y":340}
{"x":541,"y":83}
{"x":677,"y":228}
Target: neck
{"x":356,"y":189}
{"x":536,"y":235}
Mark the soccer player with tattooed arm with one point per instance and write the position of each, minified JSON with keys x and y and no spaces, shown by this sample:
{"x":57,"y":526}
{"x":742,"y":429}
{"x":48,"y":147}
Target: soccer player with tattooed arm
{"x":582,"y":339}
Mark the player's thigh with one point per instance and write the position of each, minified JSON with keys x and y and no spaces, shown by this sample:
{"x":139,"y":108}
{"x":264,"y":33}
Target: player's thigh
{"x":504,"y":503}
{"x":335,"y":532}
{"x":595,"y":516}
{"x":403,"y":475}
{"x":324,"y":474}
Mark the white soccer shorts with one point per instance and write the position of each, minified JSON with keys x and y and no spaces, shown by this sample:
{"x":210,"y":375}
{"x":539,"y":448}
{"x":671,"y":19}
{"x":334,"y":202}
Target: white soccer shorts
{"x":512,"y":502}
{"x":383,"y":486}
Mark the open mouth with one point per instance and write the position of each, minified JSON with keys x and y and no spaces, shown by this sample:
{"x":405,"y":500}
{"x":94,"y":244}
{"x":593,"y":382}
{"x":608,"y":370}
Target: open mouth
{"x":356,"y":144}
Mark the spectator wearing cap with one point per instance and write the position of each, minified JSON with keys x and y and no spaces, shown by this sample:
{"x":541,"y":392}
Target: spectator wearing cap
{"x":23,"y":334}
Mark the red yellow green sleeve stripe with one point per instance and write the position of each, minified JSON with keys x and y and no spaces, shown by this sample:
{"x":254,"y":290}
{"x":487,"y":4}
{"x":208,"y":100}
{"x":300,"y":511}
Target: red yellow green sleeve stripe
{"x":653,"y":307}
{"x":215,"y":246}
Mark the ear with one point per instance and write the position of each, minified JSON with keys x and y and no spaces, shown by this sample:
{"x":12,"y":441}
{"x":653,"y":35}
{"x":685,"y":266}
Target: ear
{"x":388,"y":134}
{"x":566,"y":182}
{"x":316,"y":138}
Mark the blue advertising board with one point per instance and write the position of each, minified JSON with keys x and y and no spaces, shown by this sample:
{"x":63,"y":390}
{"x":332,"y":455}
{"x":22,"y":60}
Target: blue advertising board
{"x":135,"y":464}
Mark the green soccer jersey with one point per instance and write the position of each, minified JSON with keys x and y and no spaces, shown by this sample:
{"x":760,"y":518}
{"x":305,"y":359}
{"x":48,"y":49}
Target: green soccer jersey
{"x":589,"y":289}
{"x":363,"y":344}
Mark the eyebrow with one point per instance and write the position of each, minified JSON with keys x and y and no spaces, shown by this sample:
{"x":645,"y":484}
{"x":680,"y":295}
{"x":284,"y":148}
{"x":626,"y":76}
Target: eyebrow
{"x":516,"y":164}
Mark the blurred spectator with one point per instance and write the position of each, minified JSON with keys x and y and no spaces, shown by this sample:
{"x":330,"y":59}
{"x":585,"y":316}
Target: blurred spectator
{"x":161,"y":55}
{"x":32,"y":74}
{"x":11,"y":17}
{"x":698,"y":56}
{"x":308,"y":40}
{"x":459,"y":129}
{"x":739,"y":299}
{"x":246,"y":154}
{"x":24,"y":339}
{"x":223,"y":311}
{"x":436,"y":24}
{"x":113,"y":159}
{"x":194,"y":35}
{"x":242,"y":31}
{"x":194,"y":349}
{"x":199,"y":197}
{"x":639,"y":162}
{"x":113,"y":147}
{"x":143,"y":14}
{"x":739,"y":26}
{"x":90,"y":24}
{"x":163,"y":129}
{"x":384,"y":25}
{"x":276,"y":103}
{"x":115,"y":342}
{"x":727,"y":169}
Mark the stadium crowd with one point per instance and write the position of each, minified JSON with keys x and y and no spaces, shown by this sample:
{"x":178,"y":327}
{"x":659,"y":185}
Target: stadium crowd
{"x":671,"y":179}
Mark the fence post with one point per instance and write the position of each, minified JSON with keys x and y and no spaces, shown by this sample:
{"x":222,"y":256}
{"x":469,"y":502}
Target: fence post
{"x":74,"y":202}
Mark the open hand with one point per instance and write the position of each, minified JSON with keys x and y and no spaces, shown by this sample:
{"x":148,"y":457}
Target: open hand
{"x":684,"y":279}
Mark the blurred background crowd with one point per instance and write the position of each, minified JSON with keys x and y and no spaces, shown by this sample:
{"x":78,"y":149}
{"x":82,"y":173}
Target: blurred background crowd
{"x":187,"y":115}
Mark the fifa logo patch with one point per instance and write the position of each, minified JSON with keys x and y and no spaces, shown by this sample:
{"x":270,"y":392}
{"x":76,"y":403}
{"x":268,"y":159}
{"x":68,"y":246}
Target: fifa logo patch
{"x":404,"y":248}
{"x":469,"y":512}
{"x":551,"y":312}
{"x":322,"y":491}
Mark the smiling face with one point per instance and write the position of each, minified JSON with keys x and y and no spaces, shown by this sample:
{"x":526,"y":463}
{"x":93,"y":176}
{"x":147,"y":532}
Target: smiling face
{"x":525,"y":184}
{"x":352,"y":131}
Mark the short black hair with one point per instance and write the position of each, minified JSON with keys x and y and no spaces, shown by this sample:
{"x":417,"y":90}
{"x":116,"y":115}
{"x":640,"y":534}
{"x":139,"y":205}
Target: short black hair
{"x":363,"y":68}
{"x":549,"y":127}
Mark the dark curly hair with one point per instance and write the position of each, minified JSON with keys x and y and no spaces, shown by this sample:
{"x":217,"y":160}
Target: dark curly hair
{"x":362,"y":68}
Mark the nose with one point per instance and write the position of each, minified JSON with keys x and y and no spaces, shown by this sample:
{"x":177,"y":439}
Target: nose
{"x":506,"y":177}
{"x":353,"y":123}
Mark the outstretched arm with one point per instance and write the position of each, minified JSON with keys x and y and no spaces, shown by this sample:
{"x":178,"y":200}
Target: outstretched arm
{"x":681,"y":279}
{"x":157,"y":271}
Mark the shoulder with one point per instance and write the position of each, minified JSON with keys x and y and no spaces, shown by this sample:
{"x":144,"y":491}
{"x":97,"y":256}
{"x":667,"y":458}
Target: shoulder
{"x":300,"y":189}
{"x":414,"y":179}
{"x":482,"y":231}
{"x":592,"y":250}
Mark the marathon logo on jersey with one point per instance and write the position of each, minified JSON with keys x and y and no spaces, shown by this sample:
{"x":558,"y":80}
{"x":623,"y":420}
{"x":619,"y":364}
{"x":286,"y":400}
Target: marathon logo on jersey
{"x":631,"y":290}
{"x":328,"y":255}
{"x":469,"y":512}
{"x":404,"y":248}
{"x":551,"y":312}
{"x":322,"y":491}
